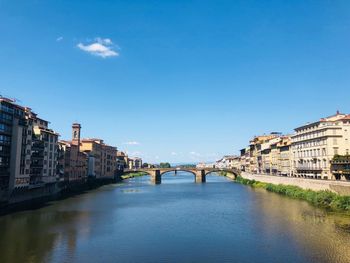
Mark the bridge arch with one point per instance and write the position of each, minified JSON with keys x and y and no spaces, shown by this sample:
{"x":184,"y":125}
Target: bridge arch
{"x":146,"y":172}
{"x":178,"y":170}
{"x":229,"y":171}
{"x":199,"y":173}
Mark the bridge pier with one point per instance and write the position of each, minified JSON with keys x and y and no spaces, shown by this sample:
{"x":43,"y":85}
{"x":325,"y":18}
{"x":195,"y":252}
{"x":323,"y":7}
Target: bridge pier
{"x":156,"y":178}
{"x":200,"y":176}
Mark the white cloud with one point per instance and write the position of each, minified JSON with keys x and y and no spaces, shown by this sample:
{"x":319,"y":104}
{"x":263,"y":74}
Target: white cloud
{"x":59,"y":39}
{"x":104,"y":41}
{"x":132,"y":143}
{"x":173,"y":153}
{"x":102,"y":47}
{"x":195,"y":153}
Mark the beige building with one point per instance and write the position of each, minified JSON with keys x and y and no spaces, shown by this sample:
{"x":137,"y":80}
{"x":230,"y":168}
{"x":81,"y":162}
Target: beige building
{"x":257,"y":147}
{"x":102,"y":157}
{"x":272,"y":155}
{"x":228,"y":161}
{"x":245,"y":159}
{"x":121,"y":160}
{"x":134,"y":162}
{"x":72,"y":162}
{"x":285,"y":157}
{"x":315,"y":144}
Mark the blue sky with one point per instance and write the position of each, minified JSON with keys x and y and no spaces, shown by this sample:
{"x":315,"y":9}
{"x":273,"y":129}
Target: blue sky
{"x":177,"y":81}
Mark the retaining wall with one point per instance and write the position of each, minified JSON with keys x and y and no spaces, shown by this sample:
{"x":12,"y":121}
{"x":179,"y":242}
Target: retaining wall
{"x":342,"y":188}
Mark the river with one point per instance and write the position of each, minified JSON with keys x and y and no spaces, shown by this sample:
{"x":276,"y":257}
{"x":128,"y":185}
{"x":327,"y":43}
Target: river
{"x":177,"y":221}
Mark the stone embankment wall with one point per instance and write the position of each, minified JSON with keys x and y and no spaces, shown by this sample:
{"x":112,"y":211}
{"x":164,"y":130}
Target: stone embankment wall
{"x":342,"y":188}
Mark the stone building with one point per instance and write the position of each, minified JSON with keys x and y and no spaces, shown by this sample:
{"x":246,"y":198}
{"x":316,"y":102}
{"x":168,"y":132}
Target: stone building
{"x":245,"y":159}
{"x":340,"y":167}
{"x":121,"y":161}
{"x":228,"y":161}
{"x":315,"y":144}
{"x":28,"y":148}
{"x":134,"y":162}
{"x":285,"y":157}
{"x":271,"y":155}
{"x":101,"y":157}
{"x":72,"y":162}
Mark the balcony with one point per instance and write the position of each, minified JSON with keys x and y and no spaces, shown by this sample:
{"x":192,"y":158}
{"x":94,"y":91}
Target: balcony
{"x":341,"y":172}
{"x":308,"y":169}
{"x":38,"y":145}
{"x":38,"y":155}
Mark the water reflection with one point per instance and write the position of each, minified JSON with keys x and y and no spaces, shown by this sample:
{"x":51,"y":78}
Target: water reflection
{"x":177,"y":221}
{"x":320,"y":236}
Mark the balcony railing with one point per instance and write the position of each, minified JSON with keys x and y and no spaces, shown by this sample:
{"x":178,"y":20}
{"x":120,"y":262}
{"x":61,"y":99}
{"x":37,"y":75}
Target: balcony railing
{"x":305,"y":168}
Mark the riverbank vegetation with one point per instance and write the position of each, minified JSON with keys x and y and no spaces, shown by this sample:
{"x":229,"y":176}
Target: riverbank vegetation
{"x":324,"y":199}
{"x":164,"y":165}
{"x":132,"y":175}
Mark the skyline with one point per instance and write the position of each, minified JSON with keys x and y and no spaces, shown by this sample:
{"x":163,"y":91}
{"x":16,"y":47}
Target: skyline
{"x":178,"y":81}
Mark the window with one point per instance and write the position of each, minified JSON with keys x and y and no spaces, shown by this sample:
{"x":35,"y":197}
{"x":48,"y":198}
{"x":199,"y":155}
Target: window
{"x":4,"y":161}
{"x":5,"y":117}
{"x":5,"y":139}
{"x":4,"y":127}
{"x":335,"y":150}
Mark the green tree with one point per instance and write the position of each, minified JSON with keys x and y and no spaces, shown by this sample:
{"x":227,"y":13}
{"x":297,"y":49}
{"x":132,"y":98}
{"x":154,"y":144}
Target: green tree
{"x":164,"y":165}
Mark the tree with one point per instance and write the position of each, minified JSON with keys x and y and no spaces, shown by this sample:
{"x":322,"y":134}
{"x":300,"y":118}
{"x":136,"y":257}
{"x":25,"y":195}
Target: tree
{"x":164,"y":165}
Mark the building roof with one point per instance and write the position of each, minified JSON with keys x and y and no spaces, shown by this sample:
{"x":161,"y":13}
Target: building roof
{"x":347,"y":117}
{"x":13,"y":102}
{"x":336,"y":117}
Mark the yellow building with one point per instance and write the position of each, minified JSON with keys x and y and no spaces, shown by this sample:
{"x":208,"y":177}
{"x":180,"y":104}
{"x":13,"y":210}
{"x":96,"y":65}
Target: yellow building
{"x":284,"y":163}
{"x":102,"y":157}
{"x":257,"y":150}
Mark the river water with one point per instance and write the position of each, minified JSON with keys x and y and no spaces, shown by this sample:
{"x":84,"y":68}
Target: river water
{"x":177,"y":221}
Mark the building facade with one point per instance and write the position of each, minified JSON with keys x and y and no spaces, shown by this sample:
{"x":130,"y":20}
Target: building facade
{"x":315,"y":144}
{"x":73,"y":163}
{"x":28,"y":148}
{"x":268,"y":154}
{"x":101,"y":157}
{"x":340,"y":167}
{"x":121,"y":161}
{"x":134,"y":162}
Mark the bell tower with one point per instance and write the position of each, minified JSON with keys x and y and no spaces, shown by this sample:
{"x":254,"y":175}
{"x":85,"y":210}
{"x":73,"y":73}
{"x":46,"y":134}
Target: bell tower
{"x":76,"y":127}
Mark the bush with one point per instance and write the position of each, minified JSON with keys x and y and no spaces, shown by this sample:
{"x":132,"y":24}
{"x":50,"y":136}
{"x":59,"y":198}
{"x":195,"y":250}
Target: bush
{"x":324,"y":199}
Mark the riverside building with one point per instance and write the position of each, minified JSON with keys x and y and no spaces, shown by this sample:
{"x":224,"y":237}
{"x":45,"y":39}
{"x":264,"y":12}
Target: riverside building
{"x":73,"y":163}
{"x":315,"y":144}
{"x":101,"y":158}
{"x":268,"y":154}
{"x":28,"y":149}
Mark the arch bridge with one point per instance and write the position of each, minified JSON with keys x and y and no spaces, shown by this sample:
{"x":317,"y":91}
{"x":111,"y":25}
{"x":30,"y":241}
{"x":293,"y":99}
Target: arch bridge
{"x":199,"y":173}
